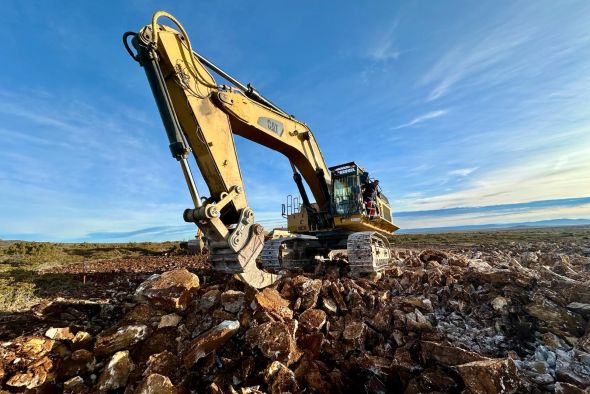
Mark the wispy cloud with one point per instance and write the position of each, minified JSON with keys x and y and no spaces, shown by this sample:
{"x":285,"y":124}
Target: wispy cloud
{"x":384,"y":46}
{"x":423,"y":118}
{"x":479,"y":56}
{"x":462,"y":171}
{"x":497,"y":214}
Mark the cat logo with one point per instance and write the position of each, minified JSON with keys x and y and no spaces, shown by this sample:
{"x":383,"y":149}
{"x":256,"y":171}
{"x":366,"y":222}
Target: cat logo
{"x":270,"y":124}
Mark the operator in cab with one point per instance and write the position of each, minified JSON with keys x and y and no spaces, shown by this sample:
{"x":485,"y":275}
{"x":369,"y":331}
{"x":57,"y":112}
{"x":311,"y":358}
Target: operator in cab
{"x":369,"y":191}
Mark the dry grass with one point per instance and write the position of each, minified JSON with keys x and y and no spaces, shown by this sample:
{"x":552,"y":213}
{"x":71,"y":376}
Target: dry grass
{"x":21,"y":286}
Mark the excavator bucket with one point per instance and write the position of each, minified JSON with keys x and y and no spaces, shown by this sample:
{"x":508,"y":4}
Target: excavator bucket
{"x":243,"y":262}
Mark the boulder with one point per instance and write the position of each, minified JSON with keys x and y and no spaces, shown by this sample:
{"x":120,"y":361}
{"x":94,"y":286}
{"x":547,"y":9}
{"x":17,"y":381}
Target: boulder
{"x":163,"y":363}
{"x":280,"y":379}
{"x":232,"y":300}
{"x":80,"y":362}
{"x":75,"y":385}
{"x":490,"y":376}
{"x":308,"y":290}
{"x":209,"y":341}
{"x":566,"y":388}
{"x":116,"y":373}
{"x":580,"y":308}
{"x":110,"y":341}
{"x":170,"y":320}
{"x":312,"y":319}
{"x":270,"y":301}
{"x":555,"y":318}
{"x":82,"y":340}
{"x":355,"y":332}
{"x":171,"y":291}
{"x":60,"y":334}
{"x":447,"y":355}
{"x":275,"y":340}
{"x":38,"y":373}
{"x":156,"y":384}
{"x":208,"y":300}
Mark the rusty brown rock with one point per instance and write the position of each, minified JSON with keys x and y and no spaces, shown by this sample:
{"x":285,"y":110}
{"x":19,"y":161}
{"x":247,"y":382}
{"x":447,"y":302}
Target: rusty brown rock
{"x":436,"y":380}
{"x":209,"y":341}
{"x":355,"y":332}
{"x":275,"y":340}
{"x":75,"y":385}
{"x":379,"y":366}
{"x":208,"y":300}
{"x":424,"y":304}
{"x":329,"y":305}
{"x":221,"y":314}
{"x":566,"y":388}
{"x":60,"y":333}
{"x":171,"y":291}
{"x":315,"y":377}
{"x":312,"y":319}
{"x":163,"y":363}
{"x":416,"y":321}
{"x":402,"y":360}
{"x":443,"y":258}
{"x":38,"y":373}
{"x":110,"y":341}
{"x":170,"y":320}
{"x":116,"y":373}
{"x":280,"y":379}
{"x":163,"y":339}
{"x":308,"y":290}
{"x":141,"y":314}
{"x":270,"y":301}
{"x":311,"y":344}
{"x":490,"y":376}
{"x":82,"y":340}
{"x":156,"y":384}
{"x":232,"y":300}
{"x":381,"y":321}
{"x":555,"y":318}
{"x":337,"y":295}
{"x":447,"y":355}
{"x":80,"y":362}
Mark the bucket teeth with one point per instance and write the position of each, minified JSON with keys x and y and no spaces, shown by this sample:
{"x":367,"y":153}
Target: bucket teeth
{"x":243,"y":263}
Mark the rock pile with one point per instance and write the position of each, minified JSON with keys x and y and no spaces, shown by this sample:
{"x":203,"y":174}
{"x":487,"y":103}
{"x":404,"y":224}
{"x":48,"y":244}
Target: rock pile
{"x":478,"y":322}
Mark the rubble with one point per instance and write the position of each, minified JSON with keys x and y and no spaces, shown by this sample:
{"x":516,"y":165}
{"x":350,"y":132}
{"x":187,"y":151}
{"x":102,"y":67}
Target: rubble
{"x":232,"y":300}
{"x":510,"y":319}
{"x":60,"y":334}
{"x":490,"y":376}
{"x":118,"y":338}
{"x":116,"y":372}
{"x":270,"y":301}
{"x":171,"y":290}
{"x":156,"y":383}
{"x":170,"y":320}
{"x":209,"y":341}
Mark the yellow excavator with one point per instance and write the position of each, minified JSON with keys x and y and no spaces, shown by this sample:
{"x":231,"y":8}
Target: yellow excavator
{"x":201,"y":116}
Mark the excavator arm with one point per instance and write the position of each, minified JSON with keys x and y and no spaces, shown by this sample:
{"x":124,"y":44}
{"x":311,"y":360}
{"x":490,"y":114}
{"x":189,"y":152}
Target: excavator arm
{"x":201,"y":116}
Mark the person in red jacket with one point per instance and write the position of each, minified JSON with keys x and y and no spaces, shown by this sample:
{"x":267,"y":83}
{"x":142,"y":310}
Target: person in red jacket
{"x":369,"y":191}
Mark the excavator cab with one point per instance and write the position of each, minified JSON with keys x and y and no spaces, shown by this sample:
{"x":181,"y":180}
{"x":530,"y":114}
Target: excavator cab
{"x":348,"y":208}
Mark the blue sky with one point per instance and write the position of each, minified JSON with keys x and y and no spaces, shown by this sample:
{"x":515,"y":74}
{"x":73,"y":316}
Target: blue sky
{"x":450,"y":104}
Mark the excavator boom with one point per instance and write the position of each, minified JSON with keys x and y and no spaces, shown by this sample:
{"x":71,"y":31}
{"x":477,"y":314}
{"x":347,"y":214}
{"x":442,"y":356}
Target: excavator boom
{"x":201,"y":116}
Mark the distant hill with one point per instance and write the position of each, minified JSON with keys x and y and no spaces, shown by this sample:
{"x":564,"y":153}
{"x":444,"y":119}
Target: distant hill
{"x":541,"y":223}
